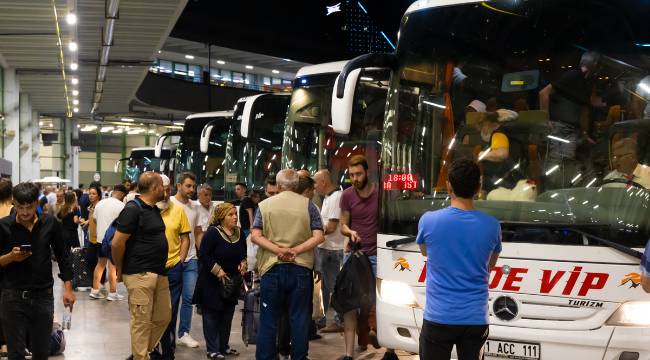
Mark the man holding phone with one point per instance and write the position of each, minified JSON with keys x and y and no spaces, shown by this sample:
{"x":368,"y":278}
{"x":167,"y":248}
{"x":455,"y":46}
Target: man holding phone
{"x":27,"y":302}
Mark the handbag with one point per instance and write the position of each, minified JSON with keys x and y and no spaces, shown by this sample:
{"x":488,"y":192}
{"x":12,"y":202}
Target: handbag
{"x":230,"y":288}
{"x":318,"y":310}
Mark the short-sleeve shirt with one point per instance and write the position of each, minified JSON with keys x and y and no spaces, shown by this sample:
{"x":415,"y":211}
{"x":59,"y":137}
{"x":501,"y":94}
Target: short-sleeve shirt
{"x":192,"y":212}
{"x":246,"y":203}
{"x":364,"y":216}
{"x":205,"y":216}
{"x":146,"y":249}
{"x":459,"y":246}
{"x":176,"y":224}
{"x":106,"y":211}
{"x":645,"y":261}
{"x":499,"y":141}
{"x":331,"y":210}
{"x":571,"y":93}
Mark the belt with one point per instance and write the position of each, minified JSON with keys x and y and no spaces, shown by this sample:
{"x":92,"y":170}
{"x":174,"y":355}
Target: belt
{"x":29,"y":294}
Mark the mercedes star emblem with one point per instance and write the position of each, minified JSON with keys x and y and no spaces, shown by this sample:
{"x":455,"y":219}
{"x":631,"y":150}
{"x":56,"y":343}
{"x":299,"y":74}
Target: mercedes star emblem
{"x":505,"y":308}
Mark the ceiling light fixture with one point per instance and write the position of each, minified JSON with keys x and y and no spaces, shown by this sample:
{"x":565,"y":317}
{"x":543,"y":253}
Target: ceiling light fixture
{"x":125,"y":119}
{"x":74,"y":81}
{"x":275,"y":71}
{"x":75,"y":110}
{"x":189,"y":57}
{"x":221,"y":62}
{"x":72,"y":46}
{"x":75,"y":92}
{"x":74,"y":66}
{"x":249,"y":67}
{"x":71,"y":18}
{"x":75,"y":101}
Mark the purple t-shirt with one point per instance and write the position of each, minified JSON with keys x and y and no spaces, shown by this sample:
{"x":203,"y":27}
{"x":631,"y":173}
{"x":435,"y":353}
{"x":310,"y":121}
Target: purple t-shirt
{"x":364,"y":216}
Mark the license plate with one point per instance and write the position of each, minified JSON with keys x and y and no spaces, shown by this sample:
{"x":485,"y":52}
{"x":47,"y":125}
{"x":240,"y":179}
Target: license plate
{"x":512,"y":350}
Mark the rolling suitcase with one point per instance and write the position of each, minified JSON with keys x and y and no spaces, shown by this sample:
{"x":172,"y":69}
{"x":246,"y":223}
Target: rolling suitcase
{"x":82,"y":276}
{"x":251,"y":312}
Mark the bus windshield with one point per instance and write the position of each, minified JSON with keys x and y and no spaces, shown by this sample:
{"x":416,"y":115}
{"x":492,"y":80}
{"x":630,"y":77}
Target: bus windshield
{"x":549,"y":101}
{"x":310,"y":142}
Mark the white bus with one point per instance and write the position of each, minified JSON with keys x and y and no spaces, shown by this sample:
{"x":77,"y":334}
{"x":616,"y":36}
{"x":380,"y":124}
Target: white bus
{"x":567,"y":282}
{"x":144,"y":159}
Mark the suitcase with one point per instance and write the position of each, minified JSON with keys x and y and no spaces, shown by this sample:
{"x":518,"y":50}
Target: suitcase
{"x":81,"y":275}
{"x":250,"y":319}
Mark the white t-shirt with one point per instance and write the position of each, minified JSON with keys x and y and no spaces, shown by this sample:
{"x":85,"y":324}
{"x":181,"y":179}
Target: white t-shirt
{"x":51,"y":198}
{"x":332,"y":210}
{"x":106,"y":211}
{"x":205,"y":216}
{"x":192,"y":213}
{"x":130,"y":196}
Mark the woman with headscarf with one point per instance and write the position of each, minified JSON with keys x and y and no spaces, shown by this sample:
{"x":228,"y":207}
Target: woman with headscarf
{"x":222,"y":262}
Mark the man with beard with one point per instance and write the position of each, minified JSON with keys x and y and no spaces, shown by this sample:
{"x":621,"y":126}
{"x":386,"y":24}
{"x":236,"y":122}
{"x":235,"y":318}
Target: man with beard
{"x":360,"y":223}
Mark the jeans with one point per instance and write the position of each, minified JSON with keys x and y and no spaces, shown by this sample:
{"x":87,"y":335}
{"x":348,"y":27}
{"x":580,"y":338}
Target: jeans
{"x":168,"y":340}
{"x":216,"y":328}
{"x":290,"y":286}
{"x":330,"y":265}
{"x":190,"y":274}
{"x":27,"y":315}
{"x":437,"y":340}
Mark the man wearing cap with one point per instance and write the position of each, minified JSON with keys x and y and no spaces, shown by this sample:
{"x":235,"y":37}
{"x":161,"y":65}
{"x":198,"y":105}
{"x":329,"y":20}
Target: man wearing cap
{"x":177,"y":232}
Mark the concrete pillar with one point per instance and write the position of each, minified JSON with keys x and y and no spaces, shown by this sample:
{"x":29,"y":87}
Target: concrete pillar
{"x":36,"y":145}
{"x":72,"y":160}
{"x":58,"y":149}
{"x":25,"y":137}
{"x":12,"y":122}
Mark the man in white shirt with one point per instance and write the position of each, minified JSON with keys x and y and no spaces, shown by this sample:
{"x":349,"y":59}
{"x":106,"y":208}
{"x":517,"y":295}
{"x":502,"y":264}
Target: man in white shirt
{"x":204,"y":200}
{"x":184,"y":191}
{"x":106,"y":211}
{"x":330,"y":253}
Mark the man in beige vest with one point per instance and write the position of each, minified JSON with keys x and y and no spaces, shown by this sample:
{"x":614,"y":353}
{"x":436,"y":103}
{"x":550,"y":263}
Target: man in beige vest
{"x":287,"y":228}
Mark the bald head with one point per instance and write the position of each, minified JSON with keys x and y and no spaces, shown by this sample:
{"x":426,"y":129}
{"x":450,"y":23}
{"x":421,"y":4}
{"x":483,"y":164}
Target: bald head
{"x":287,"y":179}
{"x":323,"y":182}
{"x":148,"y":181}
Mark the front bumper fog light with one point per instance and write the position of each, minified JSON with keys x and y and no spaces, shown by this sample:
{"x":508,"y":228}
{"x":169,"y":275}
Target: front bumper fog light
{"x":632,"y":313}
{"x":396,"y":293}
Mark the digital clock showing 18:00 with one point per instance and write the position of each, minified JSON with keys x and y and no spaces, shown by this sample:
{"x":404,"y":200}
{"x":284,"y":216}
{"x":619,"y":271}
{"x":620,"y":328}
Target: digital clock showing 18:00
{"x":400,"y":182}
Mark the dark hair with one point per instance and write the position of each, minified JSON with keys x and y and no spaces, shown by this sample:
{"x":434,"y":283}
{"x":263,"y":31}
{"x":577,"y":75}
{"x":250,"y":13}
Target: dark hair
{"x":5,"y":190}
{"x":242,"y":185}
{"x":270,"y":181}
{"x":25,"y":193}
{"x":304,"y":183}
{"x":79,"y":193}
{"x":95,"y":184}
{"x":42,"y":202}
{"x":186,"y":175}
{"x":357,"y":160}
{"x":126,"y":181}
{"x":97,"y":189}
{"x":465,"y":178}
{"x":69,"y":205}
{"x":133,"y":187}
{"x":120,"y":187}
{"x":81,"y":186}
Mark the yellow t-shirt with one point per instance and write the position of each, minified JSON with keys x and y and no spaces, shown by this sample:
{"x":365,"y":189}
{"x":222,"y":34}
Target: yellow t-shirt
{"x":176,"y":224}
{"x":499,"y":140}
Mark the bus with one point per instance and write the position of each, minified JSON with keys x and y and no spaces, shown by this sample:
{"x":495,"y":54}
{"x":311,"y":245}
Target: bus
{"x":572,"y":199}
{"x":253,"y":142}
{"x":144,"y":159}
{"x":310,"y":141}
{"x":206,"y":166}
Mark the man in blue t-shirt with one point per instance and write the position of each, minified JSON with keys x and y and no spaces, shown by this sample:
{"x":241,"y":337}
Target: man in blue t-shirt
{"x":645,"y":269}
{"x":462,"y":246}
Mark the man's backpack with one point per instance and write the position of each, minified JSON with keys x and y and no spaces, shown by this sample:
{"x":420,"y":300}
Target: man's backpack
{"x":107,"y":241}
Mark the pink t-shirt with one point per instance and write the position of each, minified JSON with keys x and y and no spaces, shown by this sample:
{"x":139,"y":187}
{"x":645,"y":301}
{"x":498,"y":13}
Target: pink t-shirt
{"x":364,"y":216}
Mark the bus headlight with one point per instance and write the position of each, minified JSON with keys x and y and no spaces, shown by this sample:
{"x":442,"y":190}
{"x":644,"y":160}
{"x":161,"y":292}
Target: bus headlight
{"x":396,"y":293}
{"x":633,"y":313}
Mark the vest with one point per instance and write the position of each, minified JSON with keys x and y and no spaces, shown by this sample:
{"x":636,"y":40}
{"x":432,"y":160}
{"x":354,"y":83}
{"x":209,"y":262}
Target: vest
{"x":286,"y":223}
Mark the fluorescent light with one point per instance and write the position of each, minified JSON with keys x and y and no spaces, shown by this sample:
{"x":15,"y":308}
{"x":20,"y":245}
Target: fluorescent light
{"x":286,"y":59}
{"x":275,"y":71}
{"x":558,"y":139}
{"x":74,"y":66}
{"x":576,"y":178}
{"x":75,"y":110}
{"x":552,"y":170}
{"x":71,"y":18}
{"x":189,"y":57}
{"x":451,"y":144}
{"x":554,"y":195}
{"x":159,"y":51}
{"x":106,"y":129}
{"x":75,"y":101}
{"x":266,"y":140}
{"x":75,"y":92}
{"x":117,"y":131}
{"x":221,"y":62}
{"x":366,"y":78}
{"x":179,"y":123}
{"x":591,"y":182}
{"x":125,"y":119}
{"x":434,"y":104}
{"x":72,"y":46}
{"x":249,"y":67}
{"x":487,"y":151}
{"x":74,"y":81}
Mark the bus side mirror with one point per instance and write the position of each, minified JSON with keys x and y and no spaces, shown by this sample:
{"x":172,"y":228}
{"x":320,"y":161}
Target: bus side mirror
{"x":247,"y":115}
{"x":159,"y":144}
{"x":163,"y":163}
{"x":205,"y":138}
{"x":342,"y":107}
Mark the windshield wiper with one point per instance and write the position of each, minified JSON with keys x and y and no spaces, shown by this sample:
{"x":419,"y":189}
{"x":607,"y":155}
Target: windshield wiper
{"x":402,"y":241}
{"x":622,"y":248}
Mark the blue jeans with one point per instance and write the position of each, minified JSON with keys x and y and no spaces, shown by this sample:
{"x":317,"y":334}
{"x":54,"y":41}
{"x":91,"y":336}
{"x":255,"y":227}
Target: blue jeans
{"x":330,"y":265}
{"x":168,"y":340}
{"x":190,"y":274}
{"x":285,"y":286}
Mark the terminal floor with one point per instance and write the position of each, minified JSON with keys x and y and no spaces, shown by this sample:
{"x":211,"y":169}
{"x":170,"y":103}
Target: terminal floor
{"x":100,"y":331}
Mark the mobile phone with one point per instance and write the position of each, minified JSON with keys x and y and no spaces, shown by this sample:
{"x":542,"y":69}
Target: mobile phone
{"x":25,"y":247}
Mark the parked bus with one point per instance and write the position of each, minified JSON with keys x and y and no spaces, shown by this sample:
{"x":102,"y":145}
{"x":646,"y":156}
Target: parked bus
{"x":567,"y":284}
{"x":144,"y":159}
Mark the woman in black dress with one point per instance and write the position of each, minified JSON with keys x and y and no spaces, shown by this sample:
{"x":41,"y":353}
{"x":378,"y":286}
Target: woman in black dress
{"x":222,"y":259}
{"x":69,"y":216}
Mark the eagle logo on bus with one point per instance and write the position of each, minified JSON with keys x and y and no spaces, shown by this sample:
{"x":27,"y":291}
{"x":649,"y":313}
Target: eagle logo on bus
{"x":403,"y":264}
{"x":633,"y":279}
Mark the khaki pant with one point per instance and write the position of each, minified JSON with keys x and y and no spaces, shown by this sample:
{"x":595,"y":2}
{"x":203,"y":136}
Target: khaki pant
{"x":150,"y":307}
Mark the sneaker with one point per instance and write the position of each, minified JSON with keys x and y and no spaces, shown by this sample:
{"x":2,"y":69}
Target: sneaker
{"x":187,"y":340}
{"x":283,"y":357}
{"x":114,"y":297}
{"x":372,"y":337}
{"x":103,"y":291}
{"x":96,"y":294}
{"x":216,"y":356}
{"x":390,"y":355}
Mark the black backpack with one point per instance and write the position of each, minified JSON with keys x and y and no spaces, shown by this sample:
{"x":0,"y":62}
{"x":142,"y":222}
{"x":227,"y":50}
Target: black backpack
{"x":355,"y":284}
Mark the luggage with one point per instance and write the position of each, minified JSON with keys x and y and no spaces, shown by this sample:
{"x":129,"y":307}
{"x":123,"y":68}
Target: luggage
{"x":250,"y":319}
{"x":57,"y":340}
{"x":355,"y":284}
{"x":81,"y":274}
